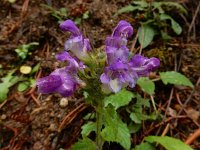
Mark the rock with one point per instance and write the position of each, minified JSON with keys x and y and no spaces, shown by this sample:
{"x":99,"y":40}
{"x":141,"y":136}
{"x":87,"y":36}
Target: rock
{"x":63,"y":102}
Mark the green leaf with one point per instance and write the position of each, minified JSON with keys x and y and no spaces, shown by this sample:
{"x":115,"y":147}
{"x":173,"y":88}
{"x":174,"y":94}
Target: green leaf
{"x":142,"y":4}
{"x":85,"y":144}
{"x":35,"y":68}
{"x":145,"y":35}
{"x":122,"y":98}
{"x":7,"y":81}
{"x":133,"y":127}
{"x":147,"y":85}
{"x":134,"y":117}
{"x":175,"y":26}
{"x":144,"y":146}
{"x":89,"y":116}
{"x":173,"y":5}
{"x":176,"y":78}
{"x":168,"y":142}
{"x":88,"y":128}
{"x":23,"y":86}
{"x":86,"y":15}
{"x":127,"y":9}
{"x":165,"y":36}
{"x":32,"y":82}
{"x":119,"y":134}
{"x":115,"y":130}
{"x":142,"y":101}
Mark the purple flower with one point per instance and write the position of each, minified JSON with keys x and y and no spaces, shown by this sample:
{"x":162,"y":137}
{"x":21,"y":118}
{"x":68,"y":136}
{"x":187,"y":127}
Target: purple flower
{"x":117,"y":76}
{"x":123,"y":29}
{"x":121,"y":71}
{"x":73,"y":64}
{"x":142,"y":65}
{"x":116,"y":44}
{"x":59,"y":81}
{"x":76,"y":43}
{"x":121,"y":74}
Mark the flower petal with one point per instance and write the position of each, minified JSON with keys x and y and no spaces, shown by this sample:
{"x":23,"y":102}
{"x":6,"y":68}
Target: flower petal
{"x":104,"y":78}
{"x":123,"y":29}
{"x":48,"y":84}
{"x":70,"y":26}
{"x":115,"y":85}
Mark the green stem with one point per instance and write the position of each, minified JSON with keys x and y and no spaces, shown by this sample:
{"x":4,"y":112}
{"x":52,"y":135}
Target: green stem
{"x":99,"y":121}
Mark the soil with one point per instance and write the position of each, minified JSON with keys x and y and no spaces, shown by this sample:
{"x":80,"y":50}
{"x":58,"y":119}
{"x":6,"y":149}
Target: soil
{"x":31,"y":121}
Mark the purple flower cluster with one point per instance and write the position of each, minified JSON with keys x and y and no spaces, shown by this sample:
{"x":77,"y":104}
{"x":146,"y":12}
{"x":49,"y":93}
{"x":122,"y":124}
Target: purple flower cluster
{"x":65,"y":80}
{"x":119,"y":72}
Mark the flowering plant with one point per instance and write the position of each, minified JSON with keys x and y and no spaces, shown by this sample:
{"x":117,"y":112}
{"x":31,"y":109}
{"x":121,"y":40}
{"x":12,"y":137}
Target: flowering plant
{"x":99,"y":73}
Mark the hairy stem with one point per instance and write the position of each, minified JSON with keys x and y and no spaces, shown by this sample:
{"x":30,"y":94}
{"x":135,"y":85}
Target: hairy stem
{"x":99,"y":121}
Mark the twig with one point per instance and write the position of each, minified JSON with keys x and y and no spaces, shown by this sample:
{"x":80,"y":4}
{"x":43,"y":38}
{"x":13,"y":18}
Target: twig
{"x":169,"y":101}
{"x":35,"y":99}
{"x":153,"y":103}
{"x":188,"y":99}
{"x":162,"y":123}
{"x":193,"y":20}
{"x":134,"y":43}
{"x":141,"y":46}
{"x":193,"y":137}
{"x":165,"y":130}
{"x":70,"y":117}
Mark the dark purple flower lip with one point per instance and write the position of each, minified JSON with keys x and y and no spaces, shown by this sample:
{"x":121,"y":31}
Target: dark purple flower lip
{"x":123,"y":29}
{"x":70,"y":26}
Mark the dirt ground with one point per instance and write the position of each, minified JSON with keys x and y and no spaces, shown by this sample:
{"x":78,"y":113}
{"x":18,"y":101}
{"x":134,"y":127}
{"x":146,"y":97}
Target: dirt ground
{"x":31,"y":121}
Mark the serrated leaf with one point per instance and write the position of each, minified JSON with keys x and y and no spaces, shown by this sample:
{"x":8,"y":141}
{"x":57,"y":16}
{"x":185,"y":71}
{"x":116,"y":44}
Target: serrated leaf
{"x":88,"y":128}
{"x":146,"y":85}
{"x":119,"y":134}
{"x":119,"y":99}
{"x":7,"y":81}
{"x":85,"y":144}
{"x":176,"y":78}
{"x":142,"y":101}
{"x":145,"y":35}
{"x":23,"y":86}
{"x":144,"y":146}
{"x":168,"y":142}
{"x":115,"y":130}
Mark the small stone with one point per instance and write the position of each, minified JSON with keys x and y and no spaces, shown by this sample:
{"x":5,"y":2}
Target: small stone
{"x":52,"y":127}
{"x":63,"y":102}
{"x":3,"y":117}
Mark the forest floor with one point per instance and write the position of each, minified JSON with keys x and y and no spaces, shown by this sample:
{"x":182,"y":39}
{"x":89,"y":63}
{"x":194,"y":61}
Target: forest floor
{"x":29,"y":120}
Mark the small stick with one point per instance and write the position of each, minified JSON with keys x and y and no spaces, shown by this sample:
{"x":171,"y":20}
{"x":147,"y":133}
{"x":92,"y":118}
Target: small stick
{"x":69,"y":118}
{"x":153,"y":102}
{"x":169,"y":101}
{"x":134,"y":43}
{"x":35,"y":99}
{"x":193,"y":137}
{"x":165,"y":130}
{"x":193,"y":20}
